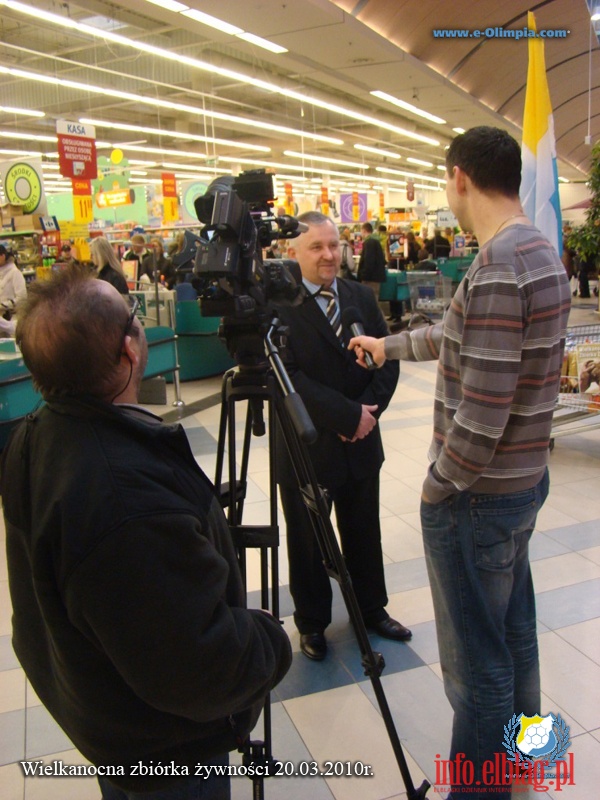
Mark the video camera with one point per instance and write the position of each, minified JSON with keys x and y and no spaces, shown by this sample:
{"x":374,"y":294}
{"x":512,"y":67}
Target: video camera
{"x":233,"y":280}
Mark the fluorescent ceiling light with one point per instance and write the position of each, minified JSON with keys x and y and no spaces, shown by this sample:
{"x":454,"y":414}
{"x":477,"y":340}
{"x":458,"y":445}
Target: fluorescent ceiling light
{"x":459,"y":130}
{"x":169,"y":5}
{"x":27,"y":136}
{"x":377,"y":151}
{"x":341,"y":162}
{"x":595,"y":17}
{"x":440,"y":167}
{"x":66,"y":22}
{"x":260,"y":42}
{"x":28,"y":112}
{"x":408,"y":107}
{"x":563,"y":180}
{"x":29,"y":153}
{"x":163,"y":103}
{"x":191,"y":168}
{"x":409,"y":174}
{"x":213,"y":22}
{"x":174,"y":134}
{"x":418,"y":161}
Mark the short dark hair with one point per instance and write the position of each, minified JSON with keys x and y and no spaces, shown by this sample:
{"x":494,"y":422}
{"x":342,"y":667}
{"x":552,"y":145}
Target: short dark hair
{"x":69,"y":332}
{"x":367,"y":227}
{"x":490,"y":157}
{"x":3,"y":250}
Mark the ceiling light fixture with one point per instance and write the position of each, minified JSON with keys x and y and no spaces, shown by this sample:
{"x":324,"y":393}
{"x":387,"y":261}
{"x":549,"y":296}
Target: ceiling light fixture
{"x":377,"y":151}
{"x":213,"y":22}
{"x":409,"y":174}
{"x":459,"y":130}
{"x":418,"y":161}
{"x":28,"y":112}
{"x":162,"y":103}
{"x":148,"y":49}
{"x":169,"y":5}
{"x":408,"y":107}
{"x":341,"y":162}
{"x":173,"y":134}
{"x":260,"y":42}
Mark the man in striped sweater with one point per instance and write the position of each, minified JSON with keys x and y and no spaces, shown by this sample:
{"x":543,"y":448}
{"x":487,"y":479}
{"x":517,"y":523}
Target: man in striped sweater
{"x":500,"y":349}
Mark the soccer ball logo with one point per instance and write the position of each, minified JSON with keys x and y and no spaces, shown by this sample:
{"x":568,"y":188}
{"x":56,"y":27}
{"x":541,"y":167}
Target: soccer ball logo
{"x":536,"y":737}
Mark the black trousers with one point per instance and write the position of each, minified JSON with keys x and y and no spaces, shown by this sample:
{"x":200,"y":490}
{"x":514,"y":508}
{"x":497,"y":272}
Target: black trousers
{"x":356,"y":507}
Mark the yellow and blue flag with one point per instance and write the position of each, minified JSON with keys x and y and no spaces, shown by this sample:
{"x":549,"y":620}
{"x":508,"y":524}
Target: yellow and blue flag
{"x":539,"y":177}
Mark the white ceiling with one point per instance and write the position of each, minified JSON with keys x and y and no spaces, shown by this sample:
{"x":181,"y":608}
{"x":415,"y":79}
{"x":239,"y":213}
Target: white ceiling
{"x":338,"y":52}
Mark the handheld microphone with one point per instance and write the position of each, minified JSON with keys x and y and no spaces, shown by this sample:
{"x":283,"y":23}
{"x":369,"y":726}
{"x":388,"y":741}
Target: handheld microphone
{"x":351,"y":319}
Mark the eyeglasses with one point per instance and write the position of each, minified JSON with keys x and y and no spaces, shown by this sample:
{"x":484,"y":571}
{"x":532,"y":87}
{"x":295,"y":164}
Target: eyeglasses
{"x":134,"y":304}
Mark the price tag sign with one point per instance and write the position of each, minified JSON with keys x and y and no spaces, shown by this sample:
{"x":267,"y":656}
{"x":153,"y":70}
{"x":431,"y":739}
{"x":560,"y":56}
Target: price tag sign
{"x":82,"y":201}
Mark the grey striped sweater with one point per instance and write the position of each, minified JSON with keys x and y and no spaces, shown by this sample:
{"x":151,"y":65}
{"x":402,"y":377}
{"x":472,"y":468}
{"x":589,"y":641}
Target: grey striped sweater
{"x":500,"y":351}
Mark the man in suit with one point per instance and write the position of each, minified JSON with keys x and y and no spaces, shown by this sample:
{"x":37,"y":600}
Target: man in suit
{"x":344,"y":403}
{"x":371,"y":265}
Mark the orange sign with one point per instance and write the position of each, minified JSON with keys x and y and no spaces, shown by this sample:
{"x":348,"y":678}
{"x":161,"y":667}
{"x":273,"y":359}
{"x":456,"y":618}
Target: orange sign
{"x":169,"y":184}
{"x":355,"y":207}
{"x":324,"y":200}
{"x":115,"y":197}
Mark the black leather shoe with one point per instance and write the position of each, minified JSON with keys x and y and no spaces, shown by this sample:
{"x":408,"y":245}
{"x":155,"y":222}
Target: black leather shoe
{"x":391,"y":629}
{"x":313,"y":645}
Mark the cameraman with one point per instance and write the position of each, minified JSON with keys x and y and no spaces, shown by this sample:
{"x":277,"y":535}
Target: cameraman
{"x":128,"y":606}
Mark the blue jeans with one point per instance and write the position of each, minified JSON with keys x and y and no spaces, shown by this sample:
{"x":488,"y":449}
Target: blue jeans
{"x":476,"y":549}
{"x":187,"y":788}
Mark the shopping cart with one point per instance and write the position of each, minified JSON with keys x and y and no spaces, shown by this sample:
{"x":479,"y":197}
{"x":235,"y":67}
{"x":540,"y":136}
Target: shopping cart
{"x":577,"y":410}
{"x":430,"y":292}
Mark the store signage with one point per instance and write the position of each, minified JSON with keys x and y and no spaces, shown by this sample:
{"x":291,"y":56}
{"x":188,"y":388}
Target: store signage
{"x":289,"y":199}
{"x":82,"y":200}
{"x":446,"y":219}
{"x":170,"y":206}
{"x":410,"y":191}
{"x":348,"y":205}
{"x":324,"y":200}
{"x":23,"y":185}
{"x":115,"y":197}
{"x":76,"y":150}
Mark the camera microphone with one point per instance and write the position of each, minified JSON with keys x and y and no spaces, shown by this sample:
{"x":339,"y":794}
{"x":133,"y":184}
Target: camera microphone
{"x":351,"y":319}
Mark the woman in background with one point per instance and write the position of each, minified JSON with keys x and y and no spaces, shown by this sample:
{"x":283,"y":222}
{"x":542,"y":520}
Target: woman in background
{"x":108,"y":265}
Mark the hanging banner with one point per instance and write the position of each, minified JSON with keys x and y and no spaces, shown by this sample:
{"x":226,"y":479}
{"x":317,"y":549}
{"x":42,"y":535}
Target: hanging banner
{"x":76,"y":150}
{"x":24,"y":185}
{"x":170,"y":205}
{"x":324,"y":200}
{"x":82,"y":201}
{"x":381,"y":206}
{"x":347,"y":207}
{"x":410,"y":191}
{"x":289,"y":199}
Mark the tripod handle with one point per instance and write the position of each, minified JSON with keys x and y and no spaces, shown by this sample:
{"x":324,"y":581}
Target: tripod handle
{"x":300,"y":418}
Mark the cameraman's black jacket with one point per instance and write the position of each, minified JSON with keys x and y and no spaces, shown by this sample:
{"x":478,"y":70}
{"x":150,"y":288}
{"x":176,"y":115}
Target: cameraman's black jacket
{"x":128,"y":604}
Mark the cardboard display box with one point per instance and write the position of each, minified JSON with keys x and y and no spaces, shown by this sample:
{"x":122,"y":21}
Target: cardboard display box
{"x":27,"y":222}
{"x":8,"y":211}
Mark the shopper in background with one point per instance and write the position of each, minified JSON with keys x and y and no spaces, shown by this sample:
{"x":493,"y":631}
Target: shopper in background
{"x":155,"y":262}
{"x":345,"y":404}
{"x":424,"y":262}
{"x":138,"y":252}
{"x":129,"y":614}
{"x":66,"y":257}
{"x":500,"y":348}
{"x":441,"y":246}
{"x":108,"y":265}
{"x":347,"y":264}
{"x":371,"y":265}
{"x":12,"y":284}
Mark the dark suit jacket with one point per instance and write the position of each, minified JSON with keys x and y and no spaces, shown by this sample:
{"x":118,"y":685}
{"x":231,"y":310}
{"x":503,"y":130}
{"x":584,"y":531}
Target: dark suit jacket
{"x":371,"y":265}
{"x":333,"y":387}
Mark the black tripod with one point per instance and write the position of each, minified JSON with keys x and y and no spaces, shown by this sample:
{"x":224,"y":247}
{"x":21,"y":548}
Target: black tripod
{"x":257,"y":385}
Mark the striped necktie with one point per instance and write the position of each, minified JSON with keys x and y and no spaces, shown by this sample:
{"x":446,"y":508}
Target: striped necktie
{"x":333,"y":313}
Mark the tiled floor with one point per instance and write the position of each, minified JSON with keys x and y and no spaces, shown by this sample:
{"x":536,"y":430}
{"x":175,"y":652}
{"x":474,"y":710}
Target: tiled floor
{"x":327,"y":711}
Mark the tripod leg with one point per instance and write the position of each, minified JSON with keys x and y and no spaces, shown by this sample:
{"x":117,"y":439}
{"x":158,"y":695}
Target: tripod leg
{"x":333,"y":560}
